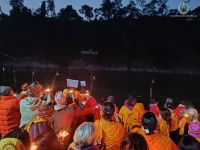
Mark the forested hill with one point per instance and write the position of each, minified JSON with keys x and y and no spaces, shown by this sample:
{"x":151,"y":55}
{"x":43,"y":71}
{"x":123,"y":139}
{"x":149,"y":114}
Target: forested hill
{"x":164,"y":41}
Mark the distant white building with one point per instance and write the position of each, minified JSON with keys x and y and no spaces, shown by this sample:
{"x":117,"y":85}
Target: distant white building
{"x":89,"y":52}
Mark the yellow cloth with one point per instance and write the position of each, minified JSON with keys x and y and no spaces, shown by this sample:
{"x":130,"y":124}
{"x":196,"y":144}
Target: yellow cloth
{"x":174,"y":121}
{"x":140,"y":108}
{"x":132,"y":117}
{"x":72,"y":146}
{"x":182,"y":124}
{"x":35,"y":120}
{"x":157,"y":141}
{"x":163,"y":127}
{"x":11,"y":144}
{"x":198,"y":139}
{"x":111,"y":133}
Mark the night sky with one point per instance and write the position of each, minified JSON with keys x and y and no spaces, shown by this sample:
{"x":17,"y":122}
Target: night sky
{"x":34,"y":4}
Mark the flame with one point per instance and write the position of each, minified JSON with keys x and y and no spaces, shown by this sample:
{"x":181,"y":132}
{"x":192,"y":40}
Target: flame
{"x":48,"y":90}
{"x":71,"y":91}
{"x":87,"y":93}
{"x":63,"y":134}
{"x":186,"y":115}
{"x":34,"y":146}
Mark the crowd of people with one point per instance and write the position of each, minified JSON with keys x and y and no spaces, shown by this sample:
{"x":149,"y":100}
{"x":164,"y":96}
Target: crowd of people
{"x":39,"y":119}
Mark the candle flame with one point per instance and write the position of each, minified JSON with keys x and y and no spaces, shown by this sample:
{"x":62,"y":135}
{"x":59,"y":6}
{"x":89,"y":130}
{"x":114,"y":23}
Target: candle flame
{"x":70,"y":91}
{"x":33,"y":146}
{"x":48,"y":90}
{"x":87,"y":93}
{"x":186,"y":115}
{"x":64,"y":134}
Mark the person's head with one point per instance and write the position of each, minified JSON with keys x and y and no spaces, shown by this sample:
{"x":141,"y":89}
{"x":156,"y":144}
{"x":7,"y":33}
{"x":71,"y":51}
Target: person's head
{"x":134,"y":142}
{"x":25,"y":87}
{"x":35,"y":89}
{"x":22,"y":135}
{"x":192,"y":113}
{"x":131,"y":100}
{"x":166,"y":115}
{"x":111,"y":99}
{"x":149,"y":122}
{"x":194,"y":129}
{"x":108,"y":110}
{"x":6,"y":91}
{"x":85,"y":135}
{"x":153,"y":101}
{"x":169,"y":100}
{"x":188,"y":143}
{"x":59,"y":98}
{"x":169,"y":106}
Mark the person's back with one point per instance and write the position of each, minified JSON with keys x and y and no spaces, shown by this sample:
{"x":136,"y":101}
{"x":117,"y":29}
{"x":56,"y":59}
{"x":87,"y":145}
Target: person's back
{"x":155,"y":141}
{"x":131,"y":112}
{"x":158,"y":141}
{"x":109,"y":131}
{"x":9,"y":111}
{"x":29,"y":107}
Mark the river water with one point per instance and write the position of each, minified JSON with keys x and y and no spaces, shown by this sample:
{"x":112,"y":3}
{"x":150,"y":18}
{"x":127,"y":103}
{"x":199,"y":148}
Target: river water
{"x":118,"y":83}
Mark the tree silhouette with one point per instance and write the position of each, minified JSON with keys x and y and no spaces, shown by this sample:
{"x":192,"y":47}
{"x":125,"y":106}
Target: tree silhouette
{"x":162,"y":7}
{"x":196,"y":12}
{"x":118,"y":11}
{"x":2,"y":15}
{"x":16,"y":4}
{"x":42,"y":11}
{"x":107,"y":9}
{"x":51,"y":8}
{"x":142,"y":4}
{"x":69,"y":13}
{"x":87,"y":11}
{"x":0,"y":10}
{"x":97,"y":13}
{"x":156,"y":8}
{"x":150,"y":8}
{"x":26,"y":13}
{"x":131,"y":10}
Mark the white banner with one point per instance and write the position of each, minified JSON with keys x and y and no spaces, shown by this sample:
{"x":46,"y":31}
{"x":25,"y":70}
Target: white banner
{"x":72,"y":83}
{"x":83,"y":83}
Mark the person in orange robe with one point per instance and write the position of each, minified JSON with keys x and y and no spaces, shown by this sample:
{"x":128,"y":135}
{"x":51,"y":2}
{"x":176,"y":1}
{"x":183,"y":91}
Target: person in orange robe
{"x":155,"y":140}
{"x":110,"y":132}
{"x":165,"y":122}
{"x":131,"y":113}
{"x":173,"y":124}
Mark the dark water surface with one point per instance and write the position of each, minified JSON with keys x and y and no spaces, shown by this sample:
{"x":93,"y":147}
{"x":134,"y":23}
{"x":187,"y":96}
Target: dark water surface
{"x":117,"y":83}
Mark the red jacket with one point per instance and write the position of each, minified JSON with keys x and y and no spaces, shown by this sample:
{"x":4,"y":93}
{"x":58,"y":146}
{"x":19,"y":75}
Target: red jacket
{"x":154,"y":109}
{"x":9,"y":114}
{"x":178,"y":110}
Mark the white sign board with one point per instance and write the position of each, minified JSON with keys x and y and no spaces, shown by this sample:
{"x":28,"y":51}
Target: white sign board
{"x":72,"y":83}
{"x":83,"y":83}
